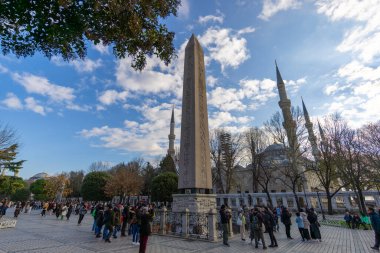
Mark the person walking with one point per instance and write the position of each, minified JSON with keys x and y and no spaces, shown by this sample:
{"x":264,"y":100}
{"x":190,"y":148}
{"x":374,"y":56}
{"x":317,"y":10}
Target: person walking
{"x":286,"y":219}
{"x":258,"y":227}
{"x":348,"y":219}
{"x":108,"y":220}
{"x":135,"y":227}
{"x":64,"y":211}
{"x":315,"y":233}
{"x":241,"y":221}
{"x":125,"y":215}
{"x":146,"y":217}
{"x":99,"y":221}
{"x":117,"y":222}
{"x":69,"y":211}
{"x":58,"y":210}
{"x":82,"y":212}
{"x":300,"y":225}
{"x":306,"y":224}
{"x":375,"y":221}
{"x":269,"y":226}
{"x":225,"y":217}
{"x":44,"y":209}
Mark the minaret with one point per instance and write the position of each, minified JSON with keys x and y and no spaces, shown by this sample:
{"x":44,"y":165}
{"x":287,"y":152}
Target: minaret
{"x":312,"y":138}
{"x":285,"y":105}
{"x":322,"y":134}
{"x":171,"y":136}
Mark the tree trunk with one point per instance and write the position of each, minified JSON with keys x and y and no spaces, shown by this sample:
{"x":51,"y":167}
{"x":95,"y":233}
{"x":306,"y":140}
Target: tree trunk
{"x":269,"y":198}
{"x":362,"y":202}
{"x":329,"y":202}
{"x":297,"y":200}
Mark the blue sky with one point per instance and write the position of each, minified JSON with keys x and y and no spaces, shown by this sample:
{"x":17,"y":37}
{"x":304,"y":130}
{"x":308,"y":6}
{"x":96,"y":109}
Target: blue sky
{"x":69,"y":115}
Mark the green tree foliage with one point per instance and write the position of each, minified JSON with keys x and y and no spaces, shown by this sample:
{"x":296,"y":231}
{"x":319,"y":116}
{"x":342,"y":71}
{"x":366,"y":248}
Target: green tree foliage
{"x":75,"y":183}
{"x":133,"y":28}
{"x":163,"y":186}
{"x":148,"y":174}
{"x":167,"y":165}
{"x":38,"y":188}
{"x":22,"y":194}
{"x":9,"y":185}
{"x":93,"y":186}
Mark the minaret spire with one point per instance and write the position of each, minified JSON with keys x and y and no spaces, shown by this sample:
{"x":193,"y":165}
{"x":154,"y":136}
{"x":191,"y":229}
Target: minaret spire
{"x":312,"y":138}
{"x":171,"y":136}
{"x":321,"y":133}
{"x":285,"y":105}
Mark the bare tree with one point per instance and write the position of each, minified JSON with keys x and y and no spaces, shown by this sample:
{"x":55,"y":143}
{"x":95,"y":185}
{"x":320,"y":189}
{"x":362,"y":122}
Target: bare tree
{"x":8,"y":136}
{"x":350,"y":152}
{"x":99,"y":166}
{"x":225,"y":149}
{"x":371,"y":144}
{"x":125,"y":180}
{"x":292,"y":174}
{"x":216,"y":160}
{"x":326,"y":169}
{"x":255,"y":141}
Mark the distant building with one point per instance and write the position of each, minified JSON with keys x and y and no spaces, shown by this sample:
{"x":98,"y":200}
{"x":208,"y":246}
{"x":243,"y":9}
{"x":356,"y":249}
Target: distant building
{"x":34,"y":178}
{"x":275,"y":159}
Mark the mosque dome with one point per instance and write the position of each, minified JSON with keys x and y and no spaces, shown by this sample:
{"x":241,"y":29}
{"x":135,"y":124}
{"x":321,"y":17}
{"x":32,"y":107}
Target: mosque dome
{"x":41,"y":175}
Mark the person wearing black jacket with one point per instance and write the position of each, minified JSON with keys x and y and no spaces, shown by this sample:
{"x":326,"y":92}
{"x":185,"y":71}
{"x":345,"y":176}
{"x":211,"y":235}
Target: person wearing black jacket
{"x":225,"y":216}
{"x":125,"y":215}
{"x":286,"y":219}
{"x":146,"y":217}
{"x":269,"y":223}
{"x":108,"y":221}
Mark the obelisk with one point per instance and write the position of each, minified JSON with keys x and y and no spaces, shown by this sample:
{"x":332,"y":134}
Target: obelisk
{"x":195,"y":178}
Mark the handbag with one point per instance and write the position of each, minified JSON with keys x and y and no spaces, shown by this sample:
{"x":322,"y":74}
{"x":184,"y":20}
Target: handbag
{"x":239,"y":222}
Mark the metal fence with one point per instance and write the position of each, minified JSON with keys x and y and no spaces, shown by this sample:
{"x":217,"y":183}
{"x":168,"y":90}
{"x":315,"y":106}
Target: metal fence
{"x":198,"y":226}
{"x":173,"y":224}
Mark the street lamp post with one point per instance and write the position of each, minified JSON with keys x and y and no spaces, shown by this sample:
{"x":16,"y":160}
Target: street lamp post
{"x":320,"y":204}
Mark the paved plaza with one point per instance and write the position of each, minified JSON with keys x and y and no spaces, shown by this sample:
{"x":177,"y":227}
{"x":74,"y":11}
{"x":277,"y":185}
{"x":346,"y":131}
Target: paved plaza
{"x":36,"y":234}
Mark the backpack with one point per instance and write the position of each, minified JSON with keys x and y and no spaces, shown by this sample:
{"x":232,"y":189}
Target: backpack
{"x":256,"y":223}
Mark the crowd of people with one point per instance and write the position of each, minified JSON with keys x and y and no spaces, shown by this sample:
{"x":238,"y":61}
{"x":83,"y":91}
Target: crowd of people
{"x":262,"y":220}
{"x":135,"y":221}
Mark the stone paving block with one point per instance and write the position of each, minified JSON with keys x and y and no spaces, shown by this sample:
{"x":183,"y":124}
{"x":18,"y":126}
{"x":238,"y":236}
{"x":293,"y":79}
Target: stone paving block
{"x":33,"y":234}
{"x":9,"y":246}
{"x":61,"y":249}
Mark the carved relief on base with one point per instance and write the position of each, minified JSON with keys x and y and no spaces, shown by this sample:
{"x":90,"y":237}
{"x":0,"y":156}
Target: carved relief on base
{"x":198,"y":203}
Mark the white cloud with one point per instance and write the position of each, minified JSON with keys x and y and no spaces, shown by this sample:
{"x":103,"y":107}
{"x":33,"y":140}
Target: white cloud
{"x":3,"y":69}
{"x":205,"y":19}
{"x":225,"y":46}
{"x":271,"y":7}
{"x":211,"y":80}
{"x":227,"y":99}
{"x":112,"y":96}
{"x":33,"y":105}
{"x":357,"y":97}
{"x":184,"y":9}
{"x":149,"y":137}
{"x":79,"y":108}
{"x":357,"y":71}
{"x":86,"y":65}
{"x":12,"y":102}
{"x":155,"y":78}
{"x":258,"y":91}
{"x":364,"y":37}
{"x":245,"y":30}
{"x":101,"y":48}
{"x":41,"y":85}
{"x":225,"y":119}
